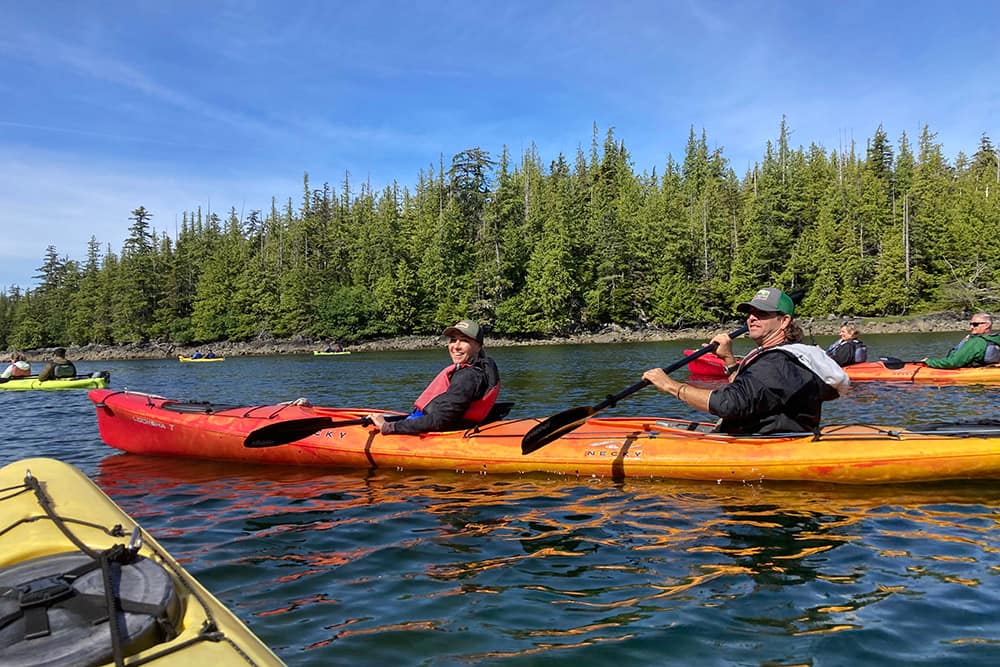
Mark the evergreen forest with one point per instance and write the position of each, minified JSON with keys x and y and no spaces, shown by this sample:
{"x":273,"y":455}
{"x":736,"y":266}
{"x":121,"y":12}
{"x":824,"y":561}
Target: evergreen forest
{"x":532,"y":249}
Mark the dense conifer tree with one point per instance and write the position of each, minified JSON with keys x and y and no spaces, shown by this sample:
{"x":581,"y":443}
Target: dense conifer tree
{"x":536,"y":250}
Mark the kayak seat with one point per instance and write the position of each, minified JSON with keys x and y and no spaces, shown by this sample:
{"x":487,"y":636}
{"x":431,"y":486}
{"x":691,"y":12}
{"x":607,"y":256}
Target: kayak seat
{"x":499,"y":411}
{"x":686,"y":425}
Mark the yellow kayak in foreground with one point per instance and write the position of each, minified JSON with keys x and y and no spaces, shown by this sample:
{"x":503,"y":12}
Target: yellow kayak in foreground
{"x":61,"y":539}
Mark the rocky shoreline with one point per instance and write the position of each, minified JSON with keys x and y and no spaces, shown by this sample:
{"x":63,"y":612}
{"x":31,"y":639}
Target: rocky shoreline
{"x":949,"y":321}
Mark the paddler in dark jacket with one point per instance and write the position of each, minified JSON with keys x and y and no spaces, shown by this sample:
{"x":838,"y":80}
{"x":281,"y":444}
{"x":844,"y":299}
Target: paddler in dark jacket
{"x":58,"y":368}
{"x":461,"y":395}
{"x":778,"y":387}
{"x":848,"y":349}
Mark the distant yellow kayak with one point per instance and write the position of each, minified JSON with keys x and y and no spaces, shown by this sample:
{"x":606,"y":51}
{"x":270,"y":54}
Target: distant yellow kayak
{"x":330,"y":354}
{"x":61,"y":538}
{"x":201,"y":358}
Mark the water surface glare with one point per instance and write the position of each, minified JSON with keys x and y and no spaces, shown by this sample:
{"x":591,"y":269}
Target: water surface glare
{"x":335,"y":567}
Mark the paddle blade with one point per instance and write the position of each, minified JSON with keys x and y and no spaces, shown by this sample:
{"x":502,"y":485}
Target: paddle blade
{"x":283,"y":432}
{"x":894,"y":364}
{"x":554,"y":428}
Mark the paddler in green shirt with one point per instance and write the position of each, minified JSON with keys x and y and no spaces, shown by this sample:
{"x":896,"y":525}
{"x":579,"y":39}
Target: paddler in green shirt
{"x":980,"y":347}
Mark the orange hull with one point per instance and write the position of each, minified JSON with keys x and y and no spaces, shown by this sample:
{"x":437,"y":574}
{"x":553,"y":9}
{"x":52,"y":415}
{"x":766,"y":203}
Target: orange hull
{"x":611,"y":447}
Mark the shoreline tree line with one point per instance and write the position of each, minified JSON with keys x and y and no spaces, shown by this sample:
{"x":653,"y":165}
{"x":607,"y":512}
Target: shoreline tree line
{"x":530,"y":249}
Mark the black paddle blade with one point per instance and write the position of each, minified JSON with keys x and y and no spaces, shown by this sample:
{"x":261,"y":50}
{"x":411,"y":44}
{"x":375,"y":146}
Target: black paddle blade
{"x":554,"y":428}
{"x":892,"y":363}
{"x":283,"y":432}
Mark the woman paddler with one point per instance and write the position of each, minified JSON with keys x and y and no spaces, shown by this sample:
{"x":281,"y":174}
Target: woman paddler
{"x":461,"y":395}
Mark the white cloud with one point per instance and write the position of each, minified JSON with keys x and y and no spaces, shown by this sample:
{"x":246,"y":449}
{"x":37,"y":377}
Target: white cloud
{"x":62,"y":200}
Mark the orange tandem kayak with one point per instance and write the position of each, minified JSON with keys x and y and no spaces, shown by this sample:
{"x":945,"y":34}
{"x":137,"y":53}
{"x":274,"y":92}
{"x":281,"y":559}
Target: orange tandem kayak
{"x":616,"y":447}
{"x":710,"y":367}
{"x":916,"y":372}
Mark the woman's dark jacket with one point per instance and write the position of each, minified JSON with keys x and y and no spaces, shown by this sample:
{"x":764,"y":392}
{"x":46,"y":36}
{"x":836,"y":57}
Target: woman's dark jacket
{"x":445,"y":412}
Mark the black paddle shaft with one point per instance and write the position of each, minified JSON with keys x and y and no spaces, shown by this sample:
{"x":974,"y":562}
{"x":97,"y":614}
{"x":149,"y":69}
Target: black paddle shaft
{"x":558,"y":425}
{"x":612,"y":401}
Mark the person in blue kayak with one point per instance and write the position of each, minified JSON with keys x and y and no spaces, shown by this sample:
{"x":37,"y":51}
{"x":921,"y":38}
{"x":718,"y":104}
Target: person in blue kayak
{"x":210,"y":355}
{"x":980,"y":347}
{"x":197,"y":354}
{"x":461,"y":395}
{"x":779,"y":387}
{"x":848,"y":349}
{"x":59,"y":368}
{"x":19,"y":367}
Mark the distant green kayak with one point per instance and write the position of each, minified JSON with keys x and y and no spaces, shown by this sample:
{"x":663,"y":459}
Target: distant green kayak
{"x":101,"y":381}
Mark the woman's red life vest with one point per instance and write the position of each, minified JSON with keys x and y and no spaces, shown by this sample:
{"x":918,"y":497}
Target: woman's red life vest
{"x":476,"y":411}
{"x":19,"y":372}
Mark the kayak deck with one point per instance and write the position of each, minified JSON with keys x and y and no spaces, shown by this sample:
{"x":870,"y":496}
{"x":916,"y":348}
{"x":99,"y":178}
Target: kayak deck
{"x":52,"y":517}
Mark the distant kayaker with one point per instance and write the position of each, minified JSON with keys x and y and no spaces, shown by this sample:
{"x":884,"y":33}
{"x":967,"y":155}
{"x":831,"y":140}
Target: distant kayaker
{"x":849,"y":349}
{"x":19,"y":367}
{"x":461,"y":395}
{"x":197,"y":354}
{"x":980,"y":347}
{"x":779,"y":387}
{"x":58,"y":368}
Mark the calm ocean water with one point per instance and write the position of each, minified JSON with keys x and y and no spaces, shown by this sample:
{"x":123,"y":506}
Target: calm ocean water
{"x":335,"y":567}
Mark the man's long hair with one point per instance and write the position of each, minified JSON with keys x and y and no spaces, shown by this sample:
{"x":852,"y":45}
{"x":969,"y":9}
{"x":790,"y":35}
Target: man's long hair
{"x":794,"y":333}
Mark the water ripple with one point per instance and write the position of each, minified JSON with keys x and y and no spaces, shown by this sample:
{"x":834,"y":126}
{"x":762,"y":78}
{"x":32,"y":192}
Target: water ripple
{"x":453,"y":569}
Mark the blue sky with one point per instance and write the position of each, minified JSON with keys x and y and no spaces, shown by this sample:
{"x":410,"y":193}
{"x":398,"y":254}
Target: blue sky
{"x":110,"y":105}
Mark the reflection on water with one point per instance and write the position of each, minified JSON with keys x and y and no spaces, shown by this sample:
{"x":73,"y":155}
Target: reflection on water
{"x":449,"y":568}
{"x":335,"y":567}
